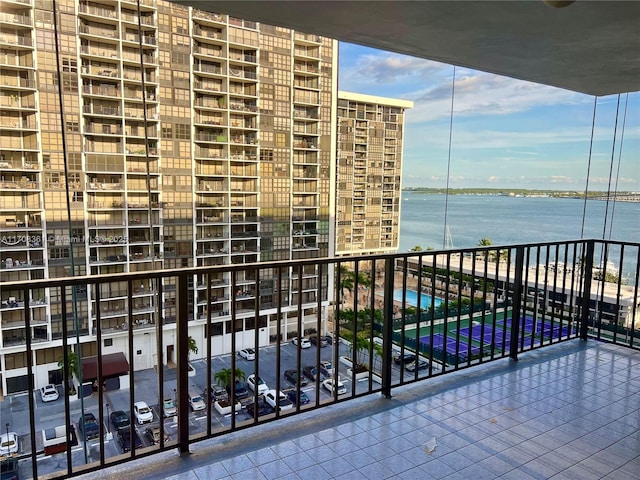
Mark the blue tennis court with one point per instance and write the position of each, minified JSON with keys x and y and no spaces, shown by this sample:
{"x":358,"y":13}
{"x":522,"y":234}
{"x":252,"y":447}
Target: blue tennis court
{"x":487,"y":335}
{"x":438,"y":342}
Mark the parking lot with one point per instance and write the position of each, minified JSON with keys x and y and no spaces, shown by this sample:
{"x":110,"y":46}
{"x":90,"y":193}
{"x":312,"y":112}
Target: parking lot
{"x":51,"y":414}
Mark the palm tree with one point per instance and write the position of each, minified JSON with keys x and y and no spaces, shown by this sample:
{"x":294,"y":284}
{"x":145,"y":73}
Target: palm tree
{"x":346,"y":279}
{"x":192,"y":347}
{"x":224,"y":376}
{"x":485,"y":242}
{"x":72,"y":368}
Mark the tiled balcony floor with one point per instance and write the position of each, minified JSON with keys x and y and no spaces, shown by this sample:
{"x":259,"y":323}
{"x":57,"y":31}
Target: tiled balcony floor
{"x":570,"y":411}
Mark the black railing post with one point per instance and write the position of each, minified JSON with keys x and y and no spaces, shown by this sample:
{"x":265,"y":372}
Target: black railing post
{"x":387,"y":327}
{"x":517,"y":302}
{"x":587,"y":270}
{"x":182,"y":335}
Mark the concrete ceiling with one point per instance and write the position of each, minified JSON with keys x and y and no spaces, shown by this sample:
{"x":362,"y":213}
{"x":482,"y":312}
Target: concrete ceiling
{"x":588,"y":46}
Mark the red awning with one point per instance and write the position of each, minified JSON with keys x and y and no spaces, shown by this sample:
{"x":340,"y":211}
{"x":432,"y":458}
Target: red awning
{"x":113,"y":365}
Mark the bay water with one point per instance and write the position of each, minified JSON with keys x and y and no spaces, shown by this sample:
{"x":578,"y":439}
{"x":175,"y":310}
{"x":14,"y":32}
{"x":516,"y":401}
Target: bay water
{"x":508,"y":220}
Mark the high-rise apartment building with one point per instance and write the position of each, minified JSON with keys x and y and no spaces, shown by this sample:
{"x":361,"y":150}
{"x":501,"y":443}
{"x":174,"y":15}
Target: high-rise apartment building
{"x":156,"y":136}
{"x":369,"y":156}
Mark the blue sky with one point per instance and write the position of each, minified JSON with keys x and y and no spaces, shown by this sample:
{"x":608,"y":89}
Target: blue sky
{"x":506,"y":133}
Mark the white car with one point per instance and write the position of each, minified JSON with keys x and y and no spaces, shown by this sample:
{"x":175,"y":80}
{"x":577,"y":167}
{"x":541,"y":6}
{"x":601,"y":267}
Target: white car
{"x":169,"y":408}
{"x":304,"y":342}
{"x":328,"y":384}
{"x":8,"y":443}
{"x":196,"y":402}
{"x":49,"y":393}
{"x":248,"y":354}
{"x":142,"y":412}
{"x":326,"y":368}
{"x":262,"y":387}
{"x":285,"y":403}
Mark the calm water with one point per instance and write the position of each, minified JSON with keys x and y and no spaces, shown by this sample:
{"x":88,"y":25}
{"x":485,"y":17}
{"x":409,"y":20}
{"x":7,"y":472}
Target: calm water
{"x":412,"y":298}
{"x":508,"y":220}
{"x":512,"y":220}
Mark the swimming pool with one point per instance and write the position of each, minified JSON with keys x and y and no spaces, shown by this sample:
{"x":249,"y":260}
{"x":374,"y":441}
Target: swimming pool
{"x":412,"y":299}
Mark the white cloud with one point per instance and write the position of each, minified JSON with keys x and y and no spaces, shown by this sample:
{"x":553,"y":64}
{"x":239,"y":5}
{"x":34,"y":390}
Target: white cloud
{"x":478,"y":93}
{"x":385,"y":68}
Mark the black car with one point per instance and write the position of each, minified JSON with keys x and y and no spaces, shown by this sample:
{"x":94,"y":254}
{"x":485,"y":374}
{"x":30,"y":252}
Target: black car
{"x":119,"y":420}
{"x":292,"y":376}
{"x":263,"y":408}
{"x":311,"y":372}
{"x":240,"y":391}
{"x":9,"y":469}
{"x":406,"y":358}
{"x":124,"y":437}
{"x":421,"y":365}
{"x":316,"y":339}
{"x":301,"y":399}
{"x":89,"y":428}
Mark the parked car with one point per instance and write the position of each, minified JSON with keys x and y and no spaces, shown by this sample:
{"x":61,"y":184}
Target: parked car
{"x":240,"y":391}
{"x":283,"y":400}
{"x":263,"y":408}
{"x":421,"y":365}
{"x":311,"y":372}
{"x":196,"y":401}
{"x":318,"y":340}
{"x":304,"y":342}
{"x":332,"y":386}
{"x":247,"y":354}
{"x":169,"y":407}
{"x":329,"y":339}
{"x":219,"y":394}
{"x":124,"y":437}
{"x":301,"y":399}
{"x":120,"y":420}
{"x":142,"y":412}
{"x":326,"y":368}
{"x":153,"y":435}
{"x":9,"y":469}
{"x":9,"y":444}
{"x":292,"y":377}
{"x":257,"y":384}
{"x":49,"y":393}
{"x":89,"y":428}
{"x":406,"y":358}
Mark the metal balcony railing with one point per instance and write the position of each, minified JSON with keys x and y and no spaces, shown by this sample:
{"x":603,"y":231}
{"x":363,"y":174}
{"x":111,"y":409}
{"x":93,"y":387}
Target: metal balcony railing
{"x":341,"y":327}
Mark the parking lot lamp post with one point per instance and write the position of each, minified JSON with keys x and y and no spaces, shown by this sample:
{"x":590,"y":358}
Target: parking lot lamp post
{"x":108,"y":422}
{"x":7,"y":425}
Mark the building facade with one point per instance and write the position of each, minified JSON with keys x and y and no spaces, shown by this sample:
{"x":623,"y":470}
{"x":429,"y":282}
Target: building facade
{"x":369,"y":173}
{"x":155,"y":136}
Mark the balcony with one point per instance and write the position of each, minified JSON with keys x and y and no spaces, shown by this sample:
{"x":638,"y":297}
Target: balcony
{"x":471,"y":405}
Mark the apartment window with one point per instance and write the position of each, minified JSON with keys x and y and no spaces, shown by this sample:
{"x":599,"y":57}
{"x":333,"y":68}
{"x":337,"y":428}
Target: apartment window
{"x":69,"y":65}
{"x":73,"y":127}
{"x":167,"y":132}
{"x":183,"y":131}
{"x":108,"y":342}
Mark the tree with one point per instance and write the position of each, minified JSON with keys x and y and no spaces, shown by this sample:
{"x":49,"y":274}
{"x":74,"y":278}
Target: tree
{"x":192,"y":347}
{"x":360,"y":345}
{"x":485,"y":242}
{"x":224,"y":376}
{"x":417,"y":248}
{"x":72,"y":368}
{"x":346,"y":279}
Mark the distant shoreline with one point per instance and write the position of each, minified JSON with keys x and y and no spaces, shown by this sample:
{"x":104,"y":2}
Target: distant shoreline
{"x":520,"y":192}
